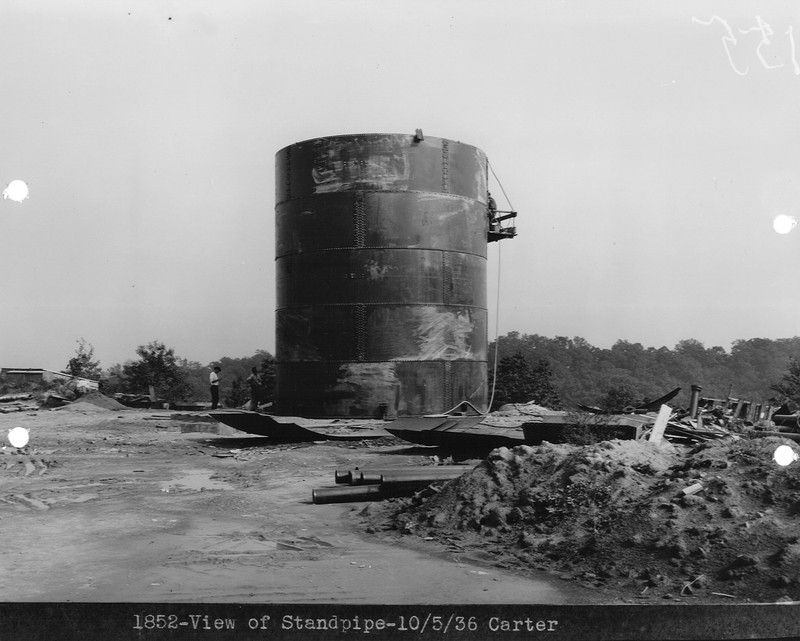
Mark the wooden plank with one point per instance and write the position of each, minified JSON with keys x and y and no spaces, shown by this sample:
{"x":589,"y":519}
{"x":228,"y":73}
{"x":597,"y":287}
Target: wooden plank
{"x":660,"y":425}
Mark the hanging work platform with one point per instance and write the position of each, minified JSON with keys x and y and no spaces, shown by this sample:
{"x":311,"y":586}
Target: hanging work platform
{"x":499,"y":231}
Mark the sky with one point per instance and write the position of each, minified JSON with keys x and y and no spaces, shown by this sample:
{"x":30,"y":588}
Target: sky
{"x":647,"y":146}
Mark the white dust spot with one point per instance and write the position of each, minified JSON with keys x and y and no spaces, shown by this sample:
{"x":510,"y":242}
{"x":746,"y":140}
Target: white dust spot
{"x":17,"y":191}
{"x":783,"y":224}
{"x":784,"y":455}
{"x":18,"y":436}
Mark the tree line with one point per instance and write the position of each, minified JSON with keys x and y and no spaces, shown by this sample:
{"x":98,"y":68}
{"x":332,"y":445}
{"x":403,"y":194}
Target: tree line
{"x":173,"y":378}
{"x":565,"y":372}
{"x":559,"y":372}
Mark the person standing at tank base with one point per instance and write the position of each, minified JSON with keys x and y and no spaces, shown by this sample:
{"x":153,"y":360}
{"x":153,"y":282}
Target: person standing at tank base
{"x":213,"y":379}
{"x":254,"y":380}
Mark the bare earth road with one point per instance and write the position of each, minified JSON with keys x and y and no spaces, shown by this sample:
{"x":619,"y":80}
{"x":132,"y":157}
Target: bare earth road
{"x":124,"y":506}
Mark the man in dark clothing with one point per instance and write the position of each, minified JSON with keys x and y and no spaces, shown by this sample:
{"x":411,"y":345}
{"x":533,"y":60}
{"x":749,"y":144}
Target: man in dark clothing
{"x":491,"y":212}
{"x":254,"y":380}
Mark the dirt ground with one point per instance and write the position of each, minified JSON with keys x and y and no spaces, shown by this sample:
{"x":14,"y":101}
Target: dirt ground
{"x":711,"y":523}
{"x":112,"y":505}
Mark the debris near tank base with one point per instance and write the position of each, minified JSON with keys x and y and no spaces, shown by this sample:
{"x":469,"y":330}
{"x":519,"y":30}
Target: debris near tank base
{"x":584,"y":428}
{"x":617,"y":515}
{"x":92,"y":402}
{"x":7,"y":398}
{"x":10,"y":403}
{"x":9,"y":408}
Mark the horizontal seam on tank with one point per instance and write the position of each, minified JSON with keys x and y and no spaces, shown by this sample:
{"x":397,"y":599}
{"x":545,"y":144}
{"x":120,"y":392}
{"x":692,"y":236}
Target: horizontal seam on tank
{"x":385,"y":360}
{"x":382,"y":304}
{"x":439,"y":194}
{"x":372,"y":134}
{"x":355,"y":248}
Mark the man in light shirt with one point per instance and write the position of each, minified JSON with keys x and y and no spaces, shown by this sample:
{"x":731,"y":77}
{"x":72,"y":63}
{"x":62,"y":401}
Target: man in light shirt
{"x":213,"y":378}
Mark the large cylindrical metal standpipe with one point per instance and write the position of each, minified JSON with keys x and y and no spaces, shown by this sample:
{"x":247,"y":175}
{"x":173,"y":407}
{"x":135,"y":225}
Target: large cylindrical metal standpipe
{"x":381,"y":276}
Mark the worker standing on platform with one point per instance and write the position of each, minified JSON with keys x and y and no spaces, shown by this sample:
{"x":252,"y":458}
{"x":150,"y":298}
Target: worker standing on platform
{"x":491,"y":211}
{"x":254,"y":381}
{"x":213,"y":380}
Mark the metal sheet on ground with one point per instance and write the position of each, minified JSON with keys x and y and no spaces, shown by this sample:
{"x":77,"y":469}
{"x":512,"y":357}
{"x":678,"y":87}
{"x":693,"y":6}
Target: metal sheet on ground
{"x":296,"y":430}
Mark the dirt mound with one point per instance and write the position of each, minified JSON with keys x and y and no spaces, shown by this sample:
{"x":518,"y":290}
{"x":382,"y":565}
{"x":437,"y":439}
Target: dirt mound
{"x":94,"y":402}
{"x":648,"y":520}
{"x":522,"y":409}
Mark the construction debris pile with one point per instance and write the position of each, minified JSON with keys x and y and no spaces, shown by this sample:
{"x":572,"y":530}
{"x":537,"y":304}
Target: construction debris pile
{"x":93,"y":402}
{"x":720,"y":519}
{"x":17,"y":403}
{"x":30,"y":402}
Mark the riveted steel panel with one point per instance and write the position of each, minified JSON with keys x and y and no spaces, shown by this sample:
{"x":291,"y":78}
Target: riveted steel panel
{"x":377,"y":390}
{"x":379,"y":162}
{"x":381,"y":276}
{"x":414,"y":220}
{"x":387,"y":333}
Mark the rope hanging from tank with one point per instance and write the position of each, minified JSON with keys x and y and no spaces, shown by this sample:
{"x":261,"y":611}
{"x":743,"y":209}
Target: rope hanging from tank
{"x":496,"y":331}
{"x":510,"y":206}
{"x":497,"y":301}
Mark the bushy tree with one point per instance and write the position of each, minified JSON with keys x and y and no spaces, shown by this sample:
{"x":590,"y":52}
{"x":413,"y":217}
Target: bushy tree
{"x":268,"y":378}
{"x":518,"y":382}
{"x":789,"y":386}
{"x":197,"y":377}
{"x":239,"y":392}
{"x":157,"y":367}
{"x":113,"y":380}
{"x":234,"y":376}
{"x":82,"y":364}
{"x":617,"y":399}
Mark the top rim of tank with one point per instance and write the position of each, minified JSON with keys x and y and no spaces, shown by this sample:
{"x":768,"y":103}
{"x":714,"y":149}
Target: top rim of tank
{"x":374,"y":133}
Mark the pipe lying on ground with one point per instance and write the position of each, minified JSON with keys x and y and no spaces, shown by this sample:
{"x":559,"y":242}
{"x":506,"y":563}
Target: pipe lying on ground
{"x":343,"y":476}
{"x":372,"y":475}
{"x":387,"y":490}
{"x":369,"y":486}
{"x":394,"y":477}
{"x":350,"y":493}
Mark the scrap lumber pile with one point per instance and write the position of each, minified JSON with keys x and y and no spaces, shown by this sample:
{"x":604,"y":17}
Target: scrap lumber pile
{"x":380,"y":483}
{"x":10,"y":403}
{"x":687,"y":431}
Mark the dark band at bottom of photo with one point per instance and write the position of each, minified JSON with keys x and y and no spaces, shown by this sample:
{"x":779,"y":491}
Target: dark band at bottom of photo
{"x":140,"y":621}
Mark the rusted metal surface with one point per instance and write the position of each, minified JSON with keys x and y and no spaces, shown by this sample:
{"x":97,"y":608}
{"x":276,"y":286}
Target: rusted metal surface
{"x":298,"y":430}
{"x":457,"y":434}
{"x":552,"y":427}
{"x":381,"y":276}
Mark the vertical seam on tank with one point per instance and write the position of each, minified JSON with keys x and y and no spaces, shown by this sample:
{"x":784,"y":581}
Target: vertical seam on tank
{"x":447,"y":278}
{"x":359,"y":222}
{"x":448,"y":384}
{"x":445,"y":167}
{"x":361,"y":332}
{"x":288,"y":182}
